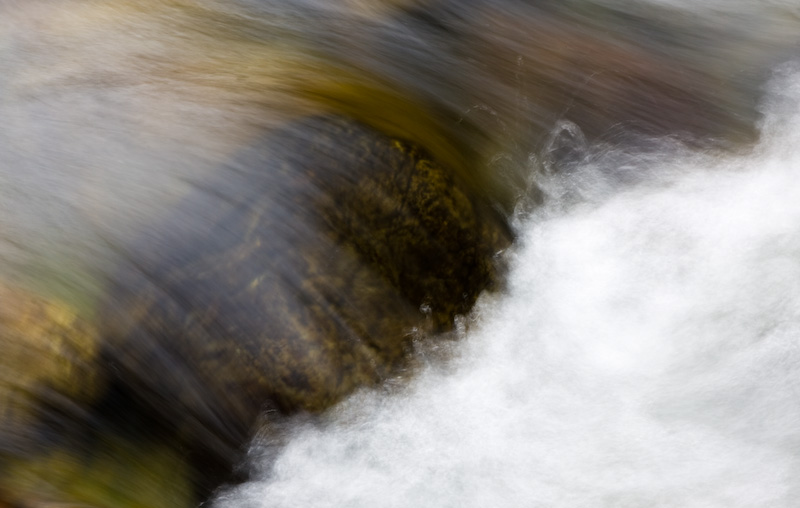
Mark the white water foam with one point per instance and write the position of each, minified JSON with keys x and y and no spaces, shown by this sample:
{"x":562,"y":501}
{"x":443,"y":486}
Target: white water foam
{"x":645,"y":355}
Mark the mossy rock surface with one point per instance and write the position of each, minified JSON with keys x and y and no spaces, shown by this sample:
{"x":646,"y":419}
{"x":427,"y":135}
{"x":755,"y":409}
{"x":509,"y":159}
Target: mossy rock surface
{"x":302,"y":273}
{"x":49,"y":360}
{"x":53,"y":451}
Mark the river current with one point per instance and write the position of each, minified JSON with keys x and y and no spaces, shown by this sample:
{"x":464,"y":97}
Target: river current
{"x":644,"y":351}
{"x":644,"y":354}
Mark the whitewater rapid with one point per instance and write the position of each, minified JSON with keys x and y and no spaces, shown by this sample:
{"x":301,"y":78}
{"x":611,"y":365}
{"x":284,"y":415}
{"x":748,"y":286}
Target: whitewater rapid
{"x":646,"y":354}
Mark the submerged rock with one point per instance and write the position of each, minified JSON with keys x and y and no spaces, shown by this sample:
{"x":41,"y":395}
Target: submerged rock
{"x":303,"y":272}
{"x":49,"y":359}
{"x":52,"y":448}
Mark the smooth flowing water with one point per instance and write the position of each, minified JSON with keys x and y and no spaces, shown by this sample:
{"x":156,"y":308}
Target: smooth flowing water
{"x":645,"y":353}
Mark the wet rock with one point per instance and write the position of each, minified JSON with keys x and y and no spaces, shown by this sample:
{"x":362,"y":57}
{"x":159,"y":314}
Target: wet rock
{"x":49,"y":359}
{"x":303,"y":272}
{"x":52,"y":448}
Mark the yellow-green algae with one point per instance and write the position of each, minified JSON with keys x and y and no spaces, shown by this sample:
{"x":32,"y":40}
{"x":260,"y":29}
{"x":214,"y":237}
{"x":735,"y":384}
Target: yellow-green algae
{"x":50,"y":358}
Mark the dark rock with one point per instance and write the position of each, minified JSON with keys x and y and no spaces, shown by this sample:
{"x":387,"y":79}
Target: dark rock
{"x":302,"y":273}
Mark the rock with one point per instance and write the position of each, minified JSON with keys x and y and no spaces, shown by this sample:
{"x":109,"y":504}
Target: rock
{"x":52,"y":449}
{"x":303,"y":273}
{"x":49,"y":359}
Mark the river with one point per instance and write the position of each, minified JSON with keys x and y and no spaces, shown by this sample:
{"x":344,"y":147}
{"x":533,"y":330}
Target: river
{"x":645,"y":353}
{"x":642,"y":353}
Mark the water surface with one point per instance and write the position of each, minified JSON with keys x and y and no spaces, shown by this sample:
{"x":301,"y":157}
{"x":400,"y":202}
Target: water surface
{"x":645,"y":354}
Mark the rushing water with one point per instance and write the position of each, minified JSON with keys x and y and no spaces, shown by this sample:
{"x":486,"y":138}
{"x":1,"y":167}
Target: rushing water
{"x":645,"y":354}
{"x":642,"y":354}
